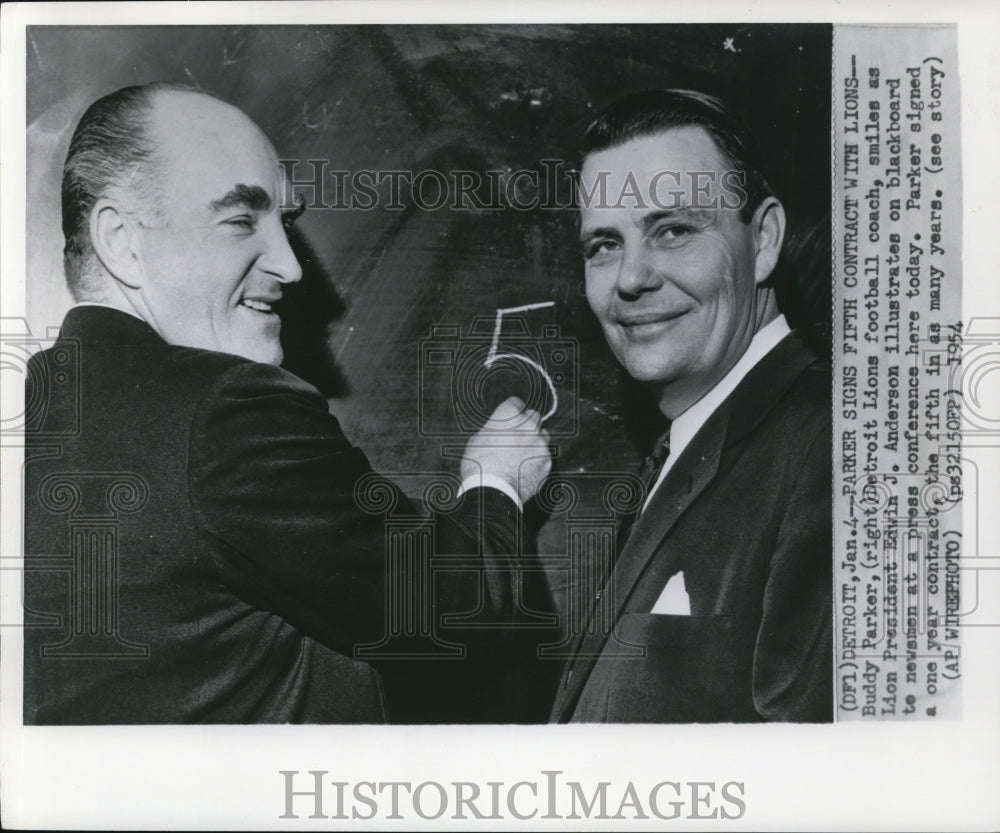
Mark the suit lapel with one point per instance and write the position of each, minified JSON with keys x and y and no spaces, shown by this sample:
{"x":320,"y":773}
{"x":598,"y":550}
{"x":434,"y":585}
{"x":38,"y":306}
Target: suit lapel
{"x":687,"y":478}
{"x":756,"y":396}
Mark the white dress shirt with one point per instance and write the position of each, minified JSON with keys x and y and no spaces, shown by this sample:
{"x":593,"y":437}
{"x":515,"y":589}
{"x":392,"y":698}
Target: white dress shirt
{"x":674,"y":599}
{"x":683,"y":429}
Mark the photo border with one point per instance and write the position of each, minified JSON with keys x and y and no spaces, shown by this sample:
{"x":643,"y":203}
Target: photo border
{"x":875,"y":776}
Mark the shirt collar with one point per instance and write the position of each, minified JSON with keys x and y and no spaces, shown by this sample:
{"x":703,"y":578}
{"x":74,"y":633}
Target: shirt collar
{"x":685,"y":426}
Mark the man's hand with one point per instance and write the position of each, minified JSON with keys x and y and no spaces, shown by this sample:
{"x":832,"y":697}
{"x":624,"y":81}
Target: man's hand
{"x":512,"y":446}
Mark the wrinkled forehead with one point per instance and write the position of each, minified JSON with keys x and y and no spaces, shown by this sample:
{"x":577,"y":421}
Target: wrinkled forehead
{"x":678,"y":168}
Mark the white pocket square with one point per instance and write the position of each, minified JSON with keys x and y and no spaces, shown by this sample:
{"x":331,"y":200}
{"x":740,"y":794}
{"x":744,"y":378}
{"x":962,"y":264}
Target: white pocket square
{"x":674,"y":598}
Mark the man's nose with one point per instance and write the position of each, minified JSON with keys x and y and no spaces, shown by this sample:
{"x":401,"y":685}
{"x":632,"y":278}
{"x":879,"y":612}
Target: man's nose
{"x":638,"y":272}
{"x":278,"y":258}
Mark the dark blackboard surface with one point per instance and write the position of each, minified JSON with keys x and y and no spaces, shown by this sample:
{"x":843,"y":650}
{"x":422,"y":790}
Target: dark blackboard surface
{"x":446,"y":98}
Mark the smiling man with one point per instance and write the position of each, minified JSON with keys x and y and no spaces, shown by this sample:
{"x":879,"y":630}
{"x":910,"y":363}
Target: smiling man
{"x":203,"y":256}
{"x":194,"y":548}
{"x":720,"y":594}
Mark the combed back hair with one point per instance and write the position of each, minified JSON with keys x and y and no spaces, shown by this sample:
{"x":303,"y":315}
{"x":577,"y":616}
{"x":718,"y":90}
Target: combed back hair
{"x":648,"y":113}
{"x":110,"y":152}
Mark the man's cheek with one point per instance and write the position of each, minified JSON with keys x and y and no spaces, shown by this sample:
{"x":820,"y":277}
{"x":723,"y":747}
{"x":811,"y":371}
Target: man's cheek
{"x":598,"y":303}
{"x":602,"y":281}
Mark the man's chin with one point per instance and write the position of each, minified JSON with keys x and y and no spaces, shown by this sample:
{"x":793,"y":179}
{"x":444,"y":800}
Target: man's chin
{"x":274,"y":357}
{"x":652,"y":374}
{"x":263,"y":353}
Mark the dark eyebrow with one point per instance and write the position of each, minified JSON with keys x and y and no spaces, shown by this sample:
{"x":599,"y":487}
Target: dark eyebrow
{"x":602,"y":231}
{"x":246,"y":196}
{"x":647,"y":221}
{"x":680,"y":213}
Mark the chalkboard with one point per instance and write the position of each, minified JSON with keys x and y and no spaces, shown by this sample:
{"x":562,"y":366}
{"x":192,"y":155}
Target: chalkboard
{"x":396,"y":298}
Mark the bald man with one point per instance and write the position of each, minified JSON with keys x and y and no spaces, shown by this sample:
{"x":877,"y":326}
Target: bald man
{"x":194,"y":544}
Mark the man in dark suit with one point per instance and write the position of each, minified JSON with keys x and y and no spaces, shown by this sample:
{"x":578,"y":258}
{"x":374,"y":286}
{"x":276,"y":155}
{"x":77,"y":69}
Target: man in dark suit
{"x":718,"y":607}
{"x":202,"y":542}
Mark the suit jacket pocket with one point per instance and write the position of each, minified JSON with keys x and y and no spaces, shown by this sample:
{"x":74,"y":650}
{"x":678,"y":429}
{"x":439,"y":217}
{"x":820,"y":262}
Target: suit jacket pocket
{"x":687,"y":675}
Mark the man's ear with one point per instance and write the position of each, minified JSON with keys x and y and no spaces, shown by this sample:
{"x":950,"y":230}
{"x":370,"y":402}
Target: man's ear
{"x":768,"y":226}
{"x":113,"y":236}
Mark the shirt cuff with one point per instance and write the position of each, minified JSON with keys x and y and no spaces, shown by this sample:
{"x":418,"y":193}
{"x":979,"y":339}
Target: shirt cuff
{"x":490,"y":481}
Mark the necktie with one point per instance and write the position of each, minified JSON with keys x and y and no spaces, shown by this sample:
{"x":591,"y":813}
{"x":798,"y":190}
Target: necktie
{"x":649,"y":471}
{"x":603,"y":610}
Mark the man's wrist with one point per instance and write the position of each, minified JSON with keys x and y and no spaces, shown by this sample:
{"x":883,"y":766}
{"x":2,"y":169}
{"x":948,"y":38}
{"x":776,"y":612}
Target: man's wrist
{"x":490,"y":481}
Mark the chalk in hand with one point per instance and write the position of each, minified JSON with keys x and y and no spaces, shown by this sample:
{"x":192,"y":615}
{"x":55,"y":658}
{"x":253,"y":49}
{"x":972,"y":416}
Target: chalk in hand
{"x":494,"y":356}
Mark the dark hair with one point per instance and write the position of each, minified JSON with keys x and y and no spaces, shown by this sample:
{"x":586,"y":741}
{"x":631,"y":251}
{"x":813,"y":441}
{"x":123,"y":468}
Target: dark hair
{"x":110,"y":149}
{"x":651,"y":112}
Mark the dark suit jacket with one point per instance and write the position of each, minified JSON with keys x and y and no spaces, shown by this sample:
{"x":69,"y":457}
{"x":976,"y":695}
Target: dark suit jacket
{"x":745,"y":512}
{"x":195,"y":550}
